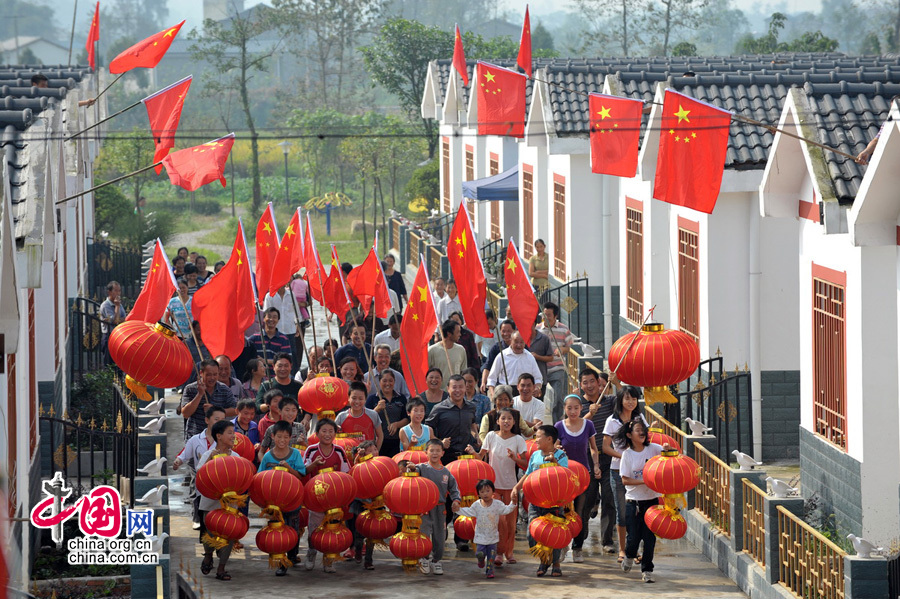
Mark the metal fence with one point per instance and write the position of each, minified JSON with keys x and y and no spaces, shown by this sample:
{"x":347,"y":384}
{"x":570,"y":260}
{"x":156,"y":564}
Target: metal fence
{"x":86,"y":353}
{"x":574,"y":301}
{"x":754,"y":520}
{"x":493,"y":253}
{"x":713,"y":494}
{"x":439,"y":227}
{"x":893,"y":566}
{"x":108,"y":262}
{"x":91,"y":453}
{"x":809,"y":564}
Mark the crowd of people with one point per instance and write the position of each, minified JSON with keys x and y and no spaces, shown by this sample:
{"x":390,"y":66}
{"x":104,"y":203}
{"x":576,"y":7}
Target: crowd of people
{"x":483,"y":396}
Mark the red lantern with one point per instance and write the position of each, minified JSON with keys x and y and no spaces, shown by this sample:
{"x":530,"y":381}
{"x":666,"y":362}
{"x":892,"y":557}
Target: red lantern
{"x":574,"y":523}
{"x":658,"y":358}
{"x":331,"y":539}
{"x":582,"y":477}
{"x":671,"y":473}
{"x":664,"y":523}
{"x":410,"y":494}
{"x":324,"y":396}
{"x":464,"y":527}
{"x":532,"y":446}
{"x":150,"y":354}
{"x":410,"y":548}
{"x":550,"y":532}
{"x":656,"y":435}
{"x":225,"y":525}
{"x":467,"y":470}
{"x":413,"y":456}
{"x":348,"y":441}
{"x":376,"y":524}
{"x":549,"y":486}
{"x":224,"y":476}
{"x":372,"y":473}
{"x":277,"y":539}
{"x":243,"y":447}
{"x":329,"y":490}
{"x":276,"y":491}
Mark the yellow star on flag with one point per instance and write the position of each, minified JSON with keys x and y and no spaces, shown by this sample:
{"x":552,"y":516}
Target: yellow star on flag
{"x":489,"y":76}
{"x":423,"y":291}
{"x":511,"y":265}
{"x":415,"y":316}
{"x":170,"y":32}
{"x":267,"y":228}
{"x":682,"y":114}
{"x":604,"y":113}
{"x":239,"y":258}
{"x":289,"y":231}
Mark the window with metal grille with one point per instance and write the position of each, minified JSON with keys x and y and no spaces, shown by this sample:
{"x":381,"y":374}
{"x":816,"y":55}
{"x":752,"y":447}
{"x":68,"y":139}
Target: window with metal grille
{"x":470,"y":176}
{"x":829,"y":355}
{"x":445,"y":165}
{"x":634,"y":259}
{"x":689,"y":278}
{"x":527,"y":210}
{"x":559,"y":227}
{"x":494,"y":168}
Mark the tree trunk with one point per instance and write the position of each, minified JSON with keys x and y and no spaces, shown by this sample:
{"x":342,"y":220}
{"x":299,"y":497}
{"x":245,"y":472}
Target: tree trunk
{"x":668,"y":27}
{"x":383,"y":224}
{"x":625,"y":27}
{"x":365,"y":235}
{"x":254,"y":142}
{"x":430,"y":136}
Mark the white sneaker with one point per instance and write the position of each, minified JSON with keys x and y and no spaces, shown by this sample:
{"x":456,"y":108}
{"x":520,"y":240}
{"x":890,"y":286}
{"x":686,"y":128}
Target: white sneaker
{"x":437,"y":568}
{"x":330,"y":569}
{"x":627,"y":564}
{"x":563,"y":553}
{"x":609,"y":549}
{"x":310,"y":562}
{"x":577,"y":557}
{"x":648,"y":577}
{"x":425,"y":566}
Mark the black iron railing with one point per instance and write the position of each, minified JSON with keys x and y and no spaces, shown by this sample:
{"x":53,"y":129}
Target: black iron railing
{"x":493,"y":253}
{"x":574,"y":302}
{"x":893,"y":568}
{"x":86,"y":353}
{"x":440,"y":227}
{"x":108,"y":262}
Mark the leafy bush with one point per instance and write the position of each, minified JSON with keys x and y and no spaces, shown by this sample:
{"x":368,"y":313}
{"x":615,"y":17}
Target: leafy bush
{"x":425,"y":183}
{"x":115,"y":215}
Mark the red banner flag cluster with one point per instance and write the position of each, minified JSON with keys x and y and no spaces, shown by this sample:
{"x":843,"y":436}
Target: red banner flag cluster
{"x":192,"y":168}
{"x":693,"y":143}
{"x":164,"y":111}
{"x":93,"y":37}
{"x":501,"y":101}
{"x":523,"y":305}
{"x":468,"y":273}
{"x":369,"y":285}
{"x":419,"y":323}
{"x":459,"y":58}
{"x":615,"y":134}
{"x":146,"y":53}
{"x":225,"y":305}
{"x":267,"y":245}
{"x":151,"y":304}
{"x":289,"y":259}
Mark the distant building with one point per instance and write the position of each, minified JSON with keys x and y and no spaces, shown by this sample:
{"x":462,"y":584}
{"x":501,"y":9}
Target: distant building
{"x":218,"y":10}
{"x":46,"y":51}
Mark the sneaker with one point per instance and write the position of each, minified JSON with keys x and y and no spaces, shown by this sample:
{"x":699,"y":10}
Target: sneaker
{"x":195,"y":526}
{"x":310,"y":562}
{"x":647,"y":577}
{"x":480,"y":556}
{"x":425,"y":566}
{"x":329,"y":569}
{"x":609,"y":549}
{"x":577,"y":558}
{"x":462,"y":546}
{"x":281,"y":571}
{"x":627,"y":564}
{"x":490,"y":574}
{"x":437,"y":568}
{"x":563,"y":553}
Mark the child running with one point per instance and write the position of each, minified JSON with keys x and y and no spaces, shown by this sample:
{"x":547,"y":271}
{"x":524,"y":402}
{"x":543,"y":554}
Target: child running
{"x":434,"y":523}
{"x":487,"y":514}
{"x":638,"y":496}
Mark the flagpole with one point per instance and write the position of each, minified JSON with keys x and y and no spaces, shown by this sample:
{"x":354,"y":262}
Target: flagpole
{"x":299,"y":330}
{"x":262,"y":339}
{"x":109,"y":86}
{"x":312,"y":321}
{"x":101,"y":121}
{"x":72,"y":34}
{"x":372,"y":346}
{"x":110,"y":182}
{"x":327,"y":322}
{"x":193,"y":334}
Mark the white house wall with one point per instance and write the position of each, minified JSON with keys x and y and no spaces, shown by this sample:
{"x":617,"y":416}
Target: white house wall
{"x":779,"y":294}
{"x":536,"y":157}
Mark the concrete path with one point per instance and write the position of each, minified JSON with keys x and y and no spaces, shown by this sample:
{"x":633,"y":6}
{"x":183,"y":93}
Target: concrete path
{"x":681,"y":571}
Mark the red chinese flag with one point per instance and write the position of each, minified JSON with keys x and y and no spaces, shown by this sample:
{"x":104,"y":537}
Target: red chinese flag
{"x":459,"y":58}
{"x":693,"y":141}
{"x":501,"y":101}
{"x":267,"y":244}
{"x":523,"y":305}
{"x":524,"y":58}
{"x":368,"y":283}
{"x":289,"y":260}
{"x":419,"y":323}
{"x":315,"y":272}
{"x":615,"y":134}
{"x":192,"y":168}
{"x":335,"y":290}
{"x":93,"y":37}
{"x":226,"y":305}
{"x":146,"y":53}
{"x":158,"y":289}
{"x":164,"y":111}
{"x":468,"y":273}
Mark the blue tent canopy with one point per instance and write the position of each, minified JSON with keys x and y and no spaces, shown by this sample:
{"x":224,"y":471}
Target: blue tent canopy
{"x":503,"y":187}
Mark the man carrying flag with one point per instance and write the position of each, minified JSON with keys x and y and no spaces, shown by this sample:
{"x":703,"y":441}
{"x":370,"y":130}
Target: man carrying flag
{"x":419,"y":322}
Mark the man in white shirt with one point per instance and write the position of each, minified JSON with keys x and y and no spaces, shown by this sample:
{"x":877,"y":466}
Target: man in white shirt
{"x":449,"y":303}
{"x":382,"y":363}
{"x":447,"y":355}
{"x":512,"y":362}
{"x":391,"y":335}
{"x":530,"y":408}
{"x":287,"y":326}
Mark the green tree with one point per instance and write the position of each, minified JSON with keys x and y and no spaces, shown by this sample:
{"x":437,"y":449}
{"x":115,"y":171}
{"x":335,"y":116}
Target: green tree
{"x":768,"y":43}
{"x":612,"y":23}
{"x":27,"y":56}
{"x":27,"y":18}
{"x":684,"y":49}
{"x":669,"y":16}
{"x":125,"y":153}
{"x":425,"y":182}
{"x":320,"y":133}
{"x":229,"y":48}
{"x":541,"y":39}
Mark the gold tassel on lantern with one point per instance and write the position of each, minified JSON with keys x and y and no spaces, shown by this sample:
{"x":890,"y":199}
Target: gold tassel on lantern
{"x":654,"y":395}
{"x":674,"y":503}
{"x":139,"y":389}
{"x":230,"y":499}
{"x":411,"y":523}
{"x":214,"y":542}
{"x":273,"y":513}
{"x":278,"y":560}
{"x":333,"y":515}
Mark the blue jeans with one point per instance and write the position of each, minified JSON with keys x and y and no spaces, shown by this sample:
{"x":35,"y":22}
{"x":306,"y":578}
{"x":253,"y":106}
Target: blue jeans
{"x":639,"y":531}
{"x":618,"y":488}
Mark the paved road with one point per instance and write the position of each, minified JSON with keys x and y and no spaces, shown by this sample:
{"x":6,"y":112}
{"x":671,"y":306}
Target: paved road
{"x":681,"y":571}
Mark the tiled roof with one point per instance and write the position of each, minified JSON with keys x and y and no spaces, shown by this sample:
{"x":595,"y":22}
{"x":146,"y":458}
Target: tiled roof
{"x":22,"y":123}
{"x":848,"y":116}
